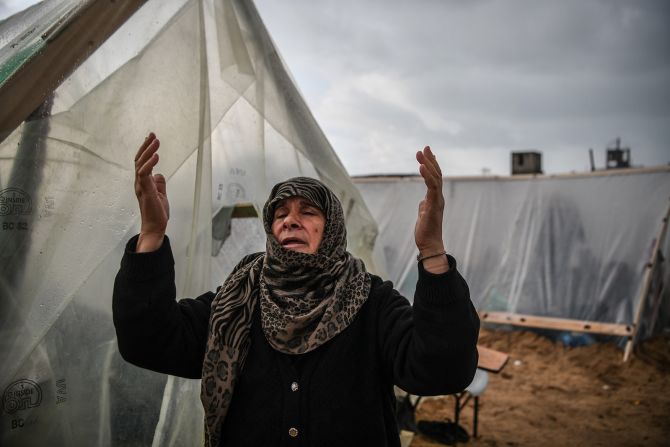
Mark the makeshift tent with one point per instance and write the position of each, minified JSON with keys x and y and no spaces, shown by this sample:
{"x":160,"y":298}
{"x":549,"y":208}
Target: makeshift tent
{"x":575,"y":247}
{"x":205,"y":76}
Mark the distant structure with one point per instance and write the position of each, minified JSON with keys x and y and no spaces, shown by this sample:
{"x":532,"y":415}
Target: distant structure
{"x":592,"y":160}
{"x":617,"y":157}
{"x":527,"y":162}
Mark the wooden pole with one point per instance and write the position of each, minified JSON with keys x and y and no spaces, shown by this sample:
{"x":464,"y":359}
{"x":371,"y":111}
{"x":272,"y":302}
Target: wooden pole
{"x":557,"y":324}
{"x":646,"y":282}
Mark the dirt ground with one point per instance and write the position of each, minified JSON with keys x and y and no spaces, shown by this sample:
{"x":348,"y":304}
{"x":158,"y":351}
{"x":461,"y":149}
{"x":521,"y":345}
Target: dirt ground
{"x":551,"y":395}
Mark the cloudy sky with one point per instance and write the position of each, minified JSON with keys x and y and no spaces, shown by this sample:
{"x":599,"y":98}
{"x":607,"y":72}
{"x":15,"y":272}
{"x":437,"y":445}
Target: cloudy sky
{"x":478,"y":79}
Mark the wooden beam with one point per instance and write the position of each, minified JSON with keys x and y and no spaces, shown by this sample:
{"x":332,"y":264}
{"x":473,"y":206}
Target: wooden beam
{"x":57,"y":53}
{"x":560,"y":324}
{"x":646,"y":283}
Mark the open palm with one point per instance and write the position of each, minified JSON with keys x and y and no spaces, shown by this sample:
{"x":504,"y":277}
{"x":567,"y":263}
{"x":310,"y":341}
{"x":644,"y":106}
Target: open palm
{"x":151,"y":189}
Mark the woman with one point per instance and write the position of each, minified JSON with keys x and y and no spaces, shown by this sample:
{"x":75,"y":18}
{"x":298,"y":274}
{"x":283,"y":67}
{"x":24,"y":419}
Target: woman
{"x":300,"y":345}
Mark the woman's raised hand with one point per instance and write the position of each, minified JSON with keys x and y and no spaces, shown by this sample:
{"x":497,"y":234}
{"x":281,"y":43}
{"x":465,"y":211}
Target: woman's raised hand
{"x":151,"y":196}
{"x":428,"y":229}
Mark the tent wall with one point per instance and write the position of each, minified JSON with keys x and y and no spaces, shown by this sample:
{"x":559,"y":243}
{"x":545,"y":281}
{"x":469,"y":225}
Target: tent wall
{"x":571,"y":246}
{"x":205,"y":76}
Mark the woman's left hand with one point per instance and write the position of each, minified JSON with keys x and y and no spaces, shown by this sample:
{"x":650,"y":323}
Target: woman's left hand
{"x":428,"y":229}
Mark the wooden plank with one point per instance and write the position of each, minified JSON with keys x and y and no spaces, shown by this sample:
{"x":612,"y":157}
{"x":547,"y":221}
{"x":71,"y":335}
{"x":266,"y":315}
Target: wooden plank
{"x":490,"y":359}
{"x":64,"y":47}
{"x":646,"y":284}
{"x":561,"y":324}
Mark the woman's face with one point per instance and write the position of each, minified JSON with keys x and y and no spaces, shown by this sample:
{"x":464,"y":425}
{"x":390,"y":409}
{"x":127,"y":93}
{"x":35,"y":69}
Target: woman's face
{"x":298,"y":225}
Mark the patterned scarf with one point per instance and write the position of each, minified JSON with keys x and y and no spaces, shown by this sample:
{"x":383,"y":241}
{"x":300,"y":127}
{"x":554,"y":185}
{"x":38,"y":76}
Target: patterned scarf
{"x":305,"y":299}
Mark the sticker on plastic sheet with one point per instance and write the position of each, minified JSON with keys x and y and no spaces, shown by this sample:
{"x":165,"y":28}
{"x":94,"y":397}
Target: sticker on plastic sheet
{"x":235,"y":193}
{"x":21,"y":395}
{"x":15,"y":202}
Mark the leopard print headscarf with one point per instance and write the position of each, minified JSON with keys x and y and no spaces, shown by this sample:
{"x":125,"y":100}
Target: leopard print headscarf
{"x":305,"y":299}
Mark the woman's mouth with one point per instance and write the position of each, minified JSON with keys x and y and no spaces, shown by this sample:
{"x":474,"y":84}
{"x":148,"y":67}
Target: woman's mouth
{"x":292,"y":243}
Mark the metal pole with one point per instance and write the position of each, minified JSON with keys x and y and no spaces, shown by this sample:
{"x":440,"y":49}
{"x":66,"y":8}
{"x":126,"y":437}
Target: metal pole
{"x":474,"y":431}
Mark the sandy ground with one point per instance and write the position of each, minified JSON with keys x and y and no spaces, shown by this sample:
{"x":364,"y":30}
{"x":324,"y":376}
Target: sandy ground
{"x":551,"y":395}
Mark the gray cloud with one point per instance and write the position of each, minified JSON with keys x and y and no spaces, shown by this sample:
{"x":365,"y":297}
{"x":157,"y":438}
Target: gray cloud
{"x":480,"y":78}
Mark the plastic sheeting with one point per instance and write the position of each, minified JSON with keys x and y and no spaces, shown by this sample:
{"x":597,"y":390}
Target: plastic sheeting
{"x":205,"y":76}
{"x":572,"y":246}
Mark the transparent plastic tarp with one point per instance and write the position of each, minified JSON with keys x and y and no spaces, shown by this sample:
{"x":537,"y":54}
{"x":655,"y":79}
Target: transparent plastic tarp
{"x":571,"y":246}
{"x":205,"y":76}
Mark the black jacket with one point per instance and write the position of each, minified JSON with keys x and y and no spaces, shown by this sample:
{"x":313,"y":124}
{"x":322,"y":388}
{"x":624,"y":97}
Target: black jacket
{"x":339,"y":394}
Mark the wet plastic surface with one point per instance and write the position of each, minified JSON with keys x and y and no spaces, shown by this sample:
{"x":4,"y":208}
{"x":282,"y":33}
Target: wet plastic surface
{"x":206,"y":78}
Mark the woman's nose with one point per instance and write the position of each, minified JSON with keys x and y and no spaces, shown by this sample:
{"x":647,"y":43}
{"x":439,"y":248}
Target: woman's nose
{"x":291,"y":221}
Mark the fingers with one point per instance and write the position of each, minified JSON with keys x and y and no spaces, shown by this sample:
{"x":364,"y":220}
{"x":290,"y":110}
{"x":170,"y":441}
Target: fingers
{"x":147,"y":142}
{"x":429,"y":177}
{"x":159,"y":180}
{"x":428,"y":158}
{"x":147,"y":157}
{"x":433,"y":159}
{"x":146,"y":168}
{"x":145,"y":160}
{"x":429,"y":168}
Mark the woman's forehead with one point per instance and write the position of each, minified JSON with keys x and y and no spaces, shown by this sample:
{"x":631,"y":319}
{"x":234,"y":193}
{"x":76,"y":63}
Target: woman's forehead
{"x":299,"y":200}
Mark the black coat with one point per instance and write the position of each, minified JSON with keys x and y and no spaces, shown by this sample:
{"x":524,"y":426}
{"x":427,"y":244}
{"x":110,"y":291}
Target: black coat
{"x":340,"y":394}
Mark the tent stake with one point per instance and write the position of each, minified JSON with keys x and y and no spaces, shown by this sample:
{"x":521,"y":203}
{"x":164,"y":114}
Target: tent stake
{"x":649,"y":268}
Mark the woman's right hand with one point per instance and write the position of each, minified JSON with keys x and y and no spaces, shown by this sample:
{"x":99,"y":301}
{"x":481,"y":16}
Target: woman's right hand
{"x":151,"y":197}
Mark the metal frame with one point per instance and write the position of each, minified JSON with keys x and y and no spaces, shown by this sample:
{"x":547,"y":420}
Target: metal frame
{"x":459,"y":406}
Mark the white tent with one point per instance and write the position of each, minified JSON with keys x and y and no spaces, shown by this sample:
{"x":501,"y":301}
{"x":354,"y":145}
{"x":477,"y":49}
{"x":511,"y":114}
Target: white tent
{"x":205,"y":76}
{"x":572,"y":247}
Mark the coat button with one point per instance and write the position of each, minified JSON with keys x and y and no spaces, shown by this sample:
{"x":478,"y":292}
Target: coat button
{"x":293,"y":432}
{"x":294,"y":386}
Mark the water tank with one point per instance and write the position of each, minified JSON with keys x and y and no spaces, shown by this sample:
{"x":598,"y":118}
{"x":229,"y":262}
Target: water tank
{"x":527,"y":162}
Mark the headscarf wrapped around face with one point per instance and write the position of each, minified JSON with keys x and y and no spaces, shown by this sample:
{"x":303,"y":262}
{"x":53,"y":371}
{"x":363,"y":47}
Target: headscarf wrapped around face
{"x":305,"y":299}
